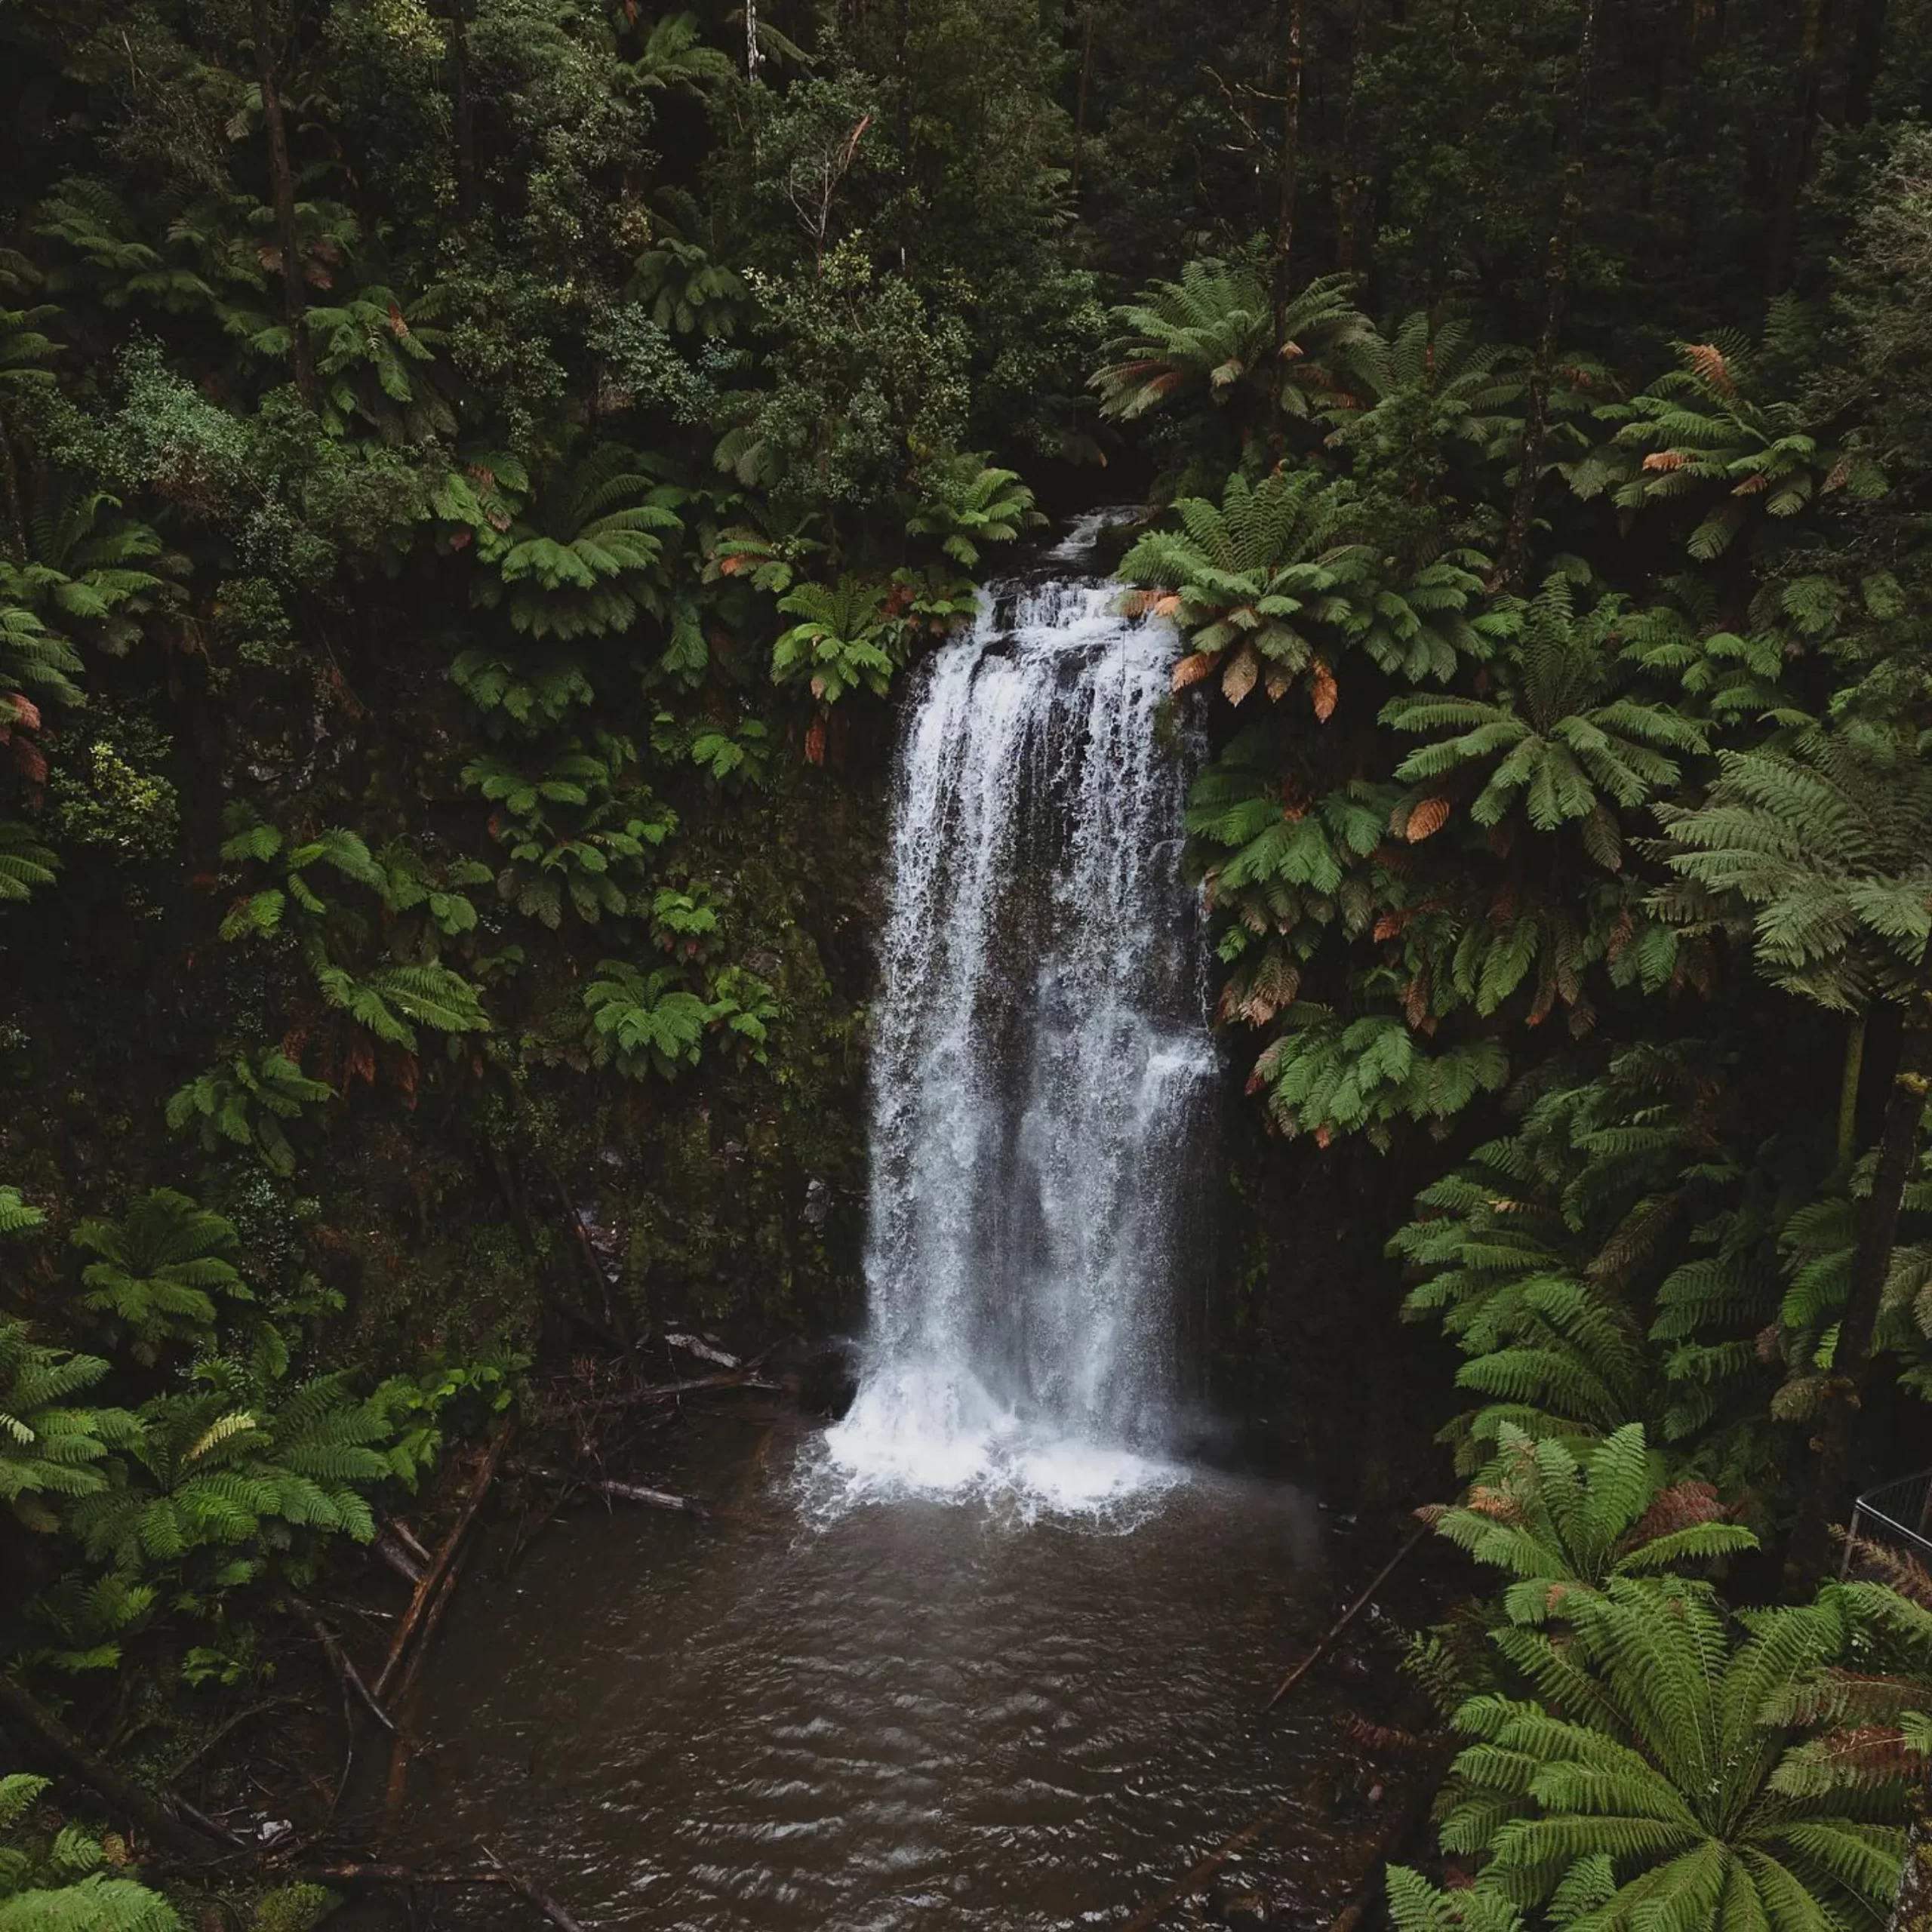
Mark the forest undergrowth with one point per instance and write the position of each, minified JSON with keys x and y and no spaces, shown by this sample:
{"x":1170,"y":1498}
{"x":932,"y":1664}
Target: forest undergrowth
{"x":472,"y":473}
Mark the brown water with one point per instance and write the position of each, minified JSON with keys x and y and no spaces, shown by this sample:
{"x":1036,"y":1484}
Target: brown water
{"x":911,"y":1715}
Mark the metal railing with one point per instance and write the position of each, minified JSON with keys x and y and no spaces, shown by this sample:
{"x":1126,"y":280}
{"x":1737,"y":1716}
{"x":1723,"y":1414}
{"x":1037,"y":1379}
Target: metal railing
{"x":1898,"y":1511}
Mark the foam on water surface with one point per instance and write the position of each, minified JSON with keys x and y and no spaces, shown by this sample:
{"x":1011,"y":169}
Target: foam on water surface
{"x":936,"y":1435}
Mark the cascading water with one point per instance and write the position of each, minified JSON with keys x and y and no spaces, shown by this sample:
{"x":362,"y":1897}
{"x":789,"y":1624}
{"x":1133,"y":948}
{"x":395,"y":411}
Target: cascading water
{"x":1041,"y":1061}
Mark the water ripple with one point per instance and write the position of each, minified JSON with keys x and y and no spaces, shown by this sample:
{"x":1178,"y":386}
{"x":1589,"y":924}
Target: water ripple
{"x":918,"y":1717}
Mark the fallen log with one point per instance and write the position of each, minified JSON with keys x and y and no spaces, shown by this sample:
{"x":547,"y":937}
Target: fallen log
{"x":433,"y":1576}
{"x":346,"y":1674}
{"x":498,"y":1875}
{"x":547,"y":1904}
{"x":404,"y":1535}
{"x":623,"y":1492}
{"x":169,"y":1820}
{"x":695,"y":1345}
{"x":1342,"y":1621}
{"x":391,"y":1549}
{"x":433,"y":1617}
{"x":737,"y":1378}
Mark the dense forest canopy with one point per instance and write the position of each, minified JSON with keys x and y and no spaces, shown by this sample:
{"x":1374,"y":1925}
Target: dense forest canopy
{"x":470,"y":473}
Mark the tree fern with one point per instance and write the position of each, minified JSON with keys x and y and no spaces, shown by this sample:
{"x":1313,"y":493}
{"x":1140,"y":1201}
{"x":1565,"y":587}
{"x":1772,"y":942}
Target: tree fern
{"x":243,"y":1103}
{"x":1428,"y":419}
{"x":52,"y":1448}
{"x":1822,"y":852}
{"x":158,"y":1272}
{"x":845,"y":638}
{"x":1324,"y":1075}
{"x":18,"y":1215}
{"x":1559,"y":1519}
{"x":68,"y":1879}
{"x":576,"y":828}
{"x":1587,"y":1264}
{"x":392,"y":1001}
{"x":642,"y":1022}
{"x":1557,"y":742}
{"x":588,"y":557}
{"x":95,"y":573}
{"x":966,"y":503}
{"x":91,"y":224}
{"x":25,"y":863}
{"x":519,"y":693}
{"x":1210,"y":336}
{"x":1416,"y":1906}
{"x":208,"y":1479}
{"x":376,"y":361}
{"x":36,"y":663}
{"x":1278,"y":580}
{"x":1660,"y":1791}
{"x":1701,"y":435}
{"x":97,"y":1903}
{"x":688,"y":290}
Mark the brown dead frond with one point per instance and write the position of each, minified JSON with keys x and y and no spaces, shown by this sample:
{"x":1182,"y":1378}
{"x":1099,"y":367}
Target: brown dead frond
{"x":1707,"y":363}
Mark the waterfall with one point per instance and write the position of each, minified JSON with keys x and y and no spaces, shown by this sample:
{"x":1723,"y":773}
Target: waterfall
{"x":1040,"y":1061}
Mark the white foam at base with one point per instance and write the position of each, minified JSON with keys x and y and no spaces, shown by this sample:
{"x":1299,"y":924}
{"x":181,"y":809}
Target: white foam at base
{"x":933,"y":1432}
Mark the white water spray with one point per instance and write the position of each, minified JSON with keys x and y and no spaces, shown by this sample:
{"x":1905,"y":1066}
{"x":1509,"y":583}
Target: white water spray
{"x":1040,"y":1065}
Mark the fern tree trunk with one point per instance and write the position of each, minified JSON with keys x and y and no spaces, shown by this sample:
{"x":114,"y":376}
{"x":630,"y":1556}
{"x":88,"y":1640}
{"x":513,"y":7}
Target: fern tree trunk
{"x":1912,"y":1910}
{"x":281,"y":184}
{"x":1556,"y":304}
{"x":12,"y":516}
{"x":1829,"y":1498}
{"x":1848,"y":1086}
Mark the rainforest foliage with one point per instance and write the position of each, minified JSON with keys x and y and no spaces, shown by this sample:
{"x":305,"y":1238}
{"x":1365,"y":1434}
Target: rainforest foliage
{"x":470,"y":473}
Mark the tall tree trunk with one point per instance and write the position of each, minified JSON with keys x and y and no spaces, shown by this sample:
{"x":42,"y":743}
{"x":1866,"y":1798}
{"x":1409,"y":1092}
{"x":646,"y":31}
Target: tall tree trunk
{"x":1828,"y":1497}
{"x":1556,"y":281}
{"x":1290,"y":159}
{"x":464,"y":109}
{"x":281,"y":181}
{"x":1868,"y":53}
{"x":1798,"y":138}
{"x":1348,"y":181}
{"x":1086,"y":72}
{"x":902,"y":62}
